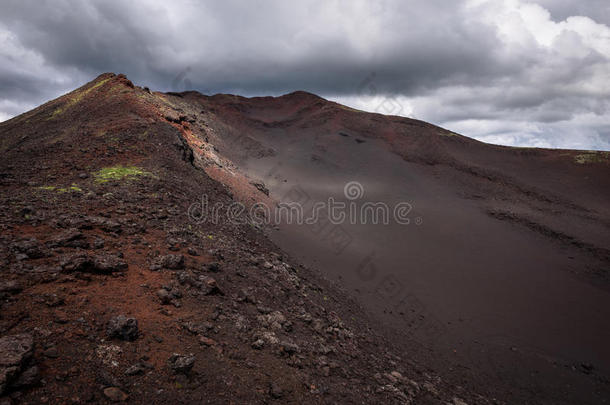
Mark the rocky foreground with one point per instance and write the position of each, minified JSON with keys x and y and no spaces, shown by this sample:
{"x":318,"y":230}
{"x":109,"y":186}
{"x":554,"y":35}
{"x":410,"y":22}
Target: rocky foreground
{"x":110,"y":293}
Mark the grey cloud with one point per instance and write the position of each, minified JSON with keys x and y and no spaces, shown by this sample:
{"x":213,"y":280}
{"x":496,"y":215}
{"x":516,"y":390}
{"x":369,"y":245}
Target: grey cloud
{"x":560,"y":10}
{"x":416,"y":50}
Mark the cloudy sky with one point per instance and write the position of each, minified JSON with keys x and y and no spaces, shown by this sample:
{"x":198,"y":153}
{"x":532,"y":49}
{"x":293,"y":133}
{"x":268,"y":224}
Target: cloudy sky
{"x":514,"y":72}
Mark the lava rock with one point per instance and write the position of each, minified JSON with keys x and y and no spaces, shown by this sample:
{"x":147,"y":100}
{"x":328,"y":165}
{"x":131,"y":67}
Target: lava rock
{"x":107,"y":263}
{"x":169,"y":294}
{"x":105,"y":224}
{"x":103,"y":263}
{"x":198,"y":328}
{"x":164,"y":296}
{"x":275,"y":391}
{"x":77,"y":262}
{"x":274,"y":320}
{"x":123,"y":328}
{"x":209,"y":286}
{"x":206,"y":341}
{"x":15,"y":352}
{"x":172,"y":262}
{"x":10,"y":287}
{"x":98,"y":243}
{"x":180,"y":363}
{"x":214,"y":267}
{"x":115,"y":394}
{"x":51,"y":352}
{"x":30,"y":248}
{"x":135,"y":369}
{"x":28,"y":378}
{"x":53,"y":300}
{"x":289,"y":348}
{"x":70,"y":238}
{"x":260,"y":186}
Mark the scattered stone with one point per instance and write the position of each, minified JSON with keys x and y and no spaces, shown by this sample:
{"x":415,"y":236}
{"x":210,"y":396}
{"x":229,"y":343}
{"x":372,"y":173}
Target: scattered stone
{"x":264,"y":310}
{"x":109,"y":355}
{"x":275,"y":390}
{"x":258,"y":344}
{"x":123,"y":328}
{"x":260,"y":186}
{"x":83,"y":175}
{"x":53,"y":300}
{"x":269,"y":337}
{"x":51,"y":352}
{"x":172,"y":262}
{"x":242,"y":324}
{"x":245,"y":295}
{"x":105,"y":224}
{"x":428,"y":386}
{"x":28,"y":378}
{"x":187,"y":278}
{"x":287,"y":326}
{"x":164,"y":297}
{"x":115,"y":394}
{"x":135,"y":369}
{"x":181,"y":363}
{"x":98,"y":243}
{"x":586,"y":368}
{"x":197,"y":328}
{"x":274,"y":320}
{"x":192,"y":252}
{"x":169,"y":294}
{"x":214,"y":267}
{"x":107,"y":263}
{"x":103,"y":263}
{"x":10,"y":287}
{"x":397,"y":375}
{"x":209,"y":286}
{"x":206,"y":341}
{"x":289,"y":348}
{"x":70,"y":238}
{"x":61,"y":317}
{"x":30,"y":248}
{"x":15,"y":352}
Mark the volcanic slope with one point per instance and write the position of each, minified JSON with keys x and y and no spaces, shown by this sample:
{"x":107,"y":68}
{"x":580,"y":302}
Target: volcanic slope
{"x":498,"y":284}
{"x":112,"y":292}
{"x":500,"y":279}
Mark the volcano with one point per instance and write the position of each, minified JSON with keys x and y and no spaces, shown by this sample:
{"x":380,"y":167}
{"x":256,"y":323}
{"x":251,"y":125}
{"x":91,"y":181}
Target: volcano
{"x":143,"y":260}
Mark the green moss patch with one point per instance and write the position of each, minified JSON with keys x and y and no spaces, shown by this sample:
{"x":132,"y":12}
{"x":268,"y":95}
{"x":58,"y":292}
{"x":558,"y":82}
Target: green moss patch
{"x":119,"y":173}
{"x":75,"y":97}
{"x":592,"y":157}
{"x":72,"y":188}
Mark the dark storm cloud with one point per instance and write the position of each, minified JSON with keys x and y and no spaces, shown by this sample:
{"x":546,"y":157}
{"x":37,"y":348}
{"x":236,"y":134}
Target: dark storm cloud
{"x":482,"y":67}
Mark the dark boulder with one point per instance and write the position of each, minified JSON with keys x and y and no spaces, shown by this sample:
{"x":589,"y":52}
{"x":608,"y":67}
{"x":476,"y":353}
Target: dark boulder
{"x":123,"y":328}
{"x":15,"y":353}
{"x":180,"y":363}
